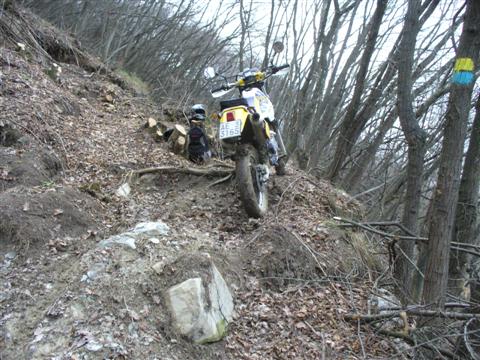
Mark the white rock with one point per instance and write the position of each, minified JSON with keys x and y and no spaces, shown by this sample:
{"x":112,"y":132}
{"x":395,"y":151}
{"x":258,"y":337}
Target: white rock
{"x":143,"y":230}
{"x":124,"y":190}
{"x":220,"y":296}
{"x":382,"y":301}
{"x":77,"y":311}
{"x":10,"y":255}
{"x":158,"y":267}
{"x":191,"y":314}
{"x":122,"y":239}
{"x":154,"y":240}
{"x":94,"y":271}
{"x":94,"y":346}
{"x":186,"y":303}
{"x":151,"y":228}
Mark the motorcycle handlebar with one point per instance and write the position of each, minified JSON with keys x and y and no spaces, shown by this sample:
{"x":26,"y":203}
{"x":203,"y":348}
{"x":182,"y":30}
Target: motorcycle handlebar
{"x":221,"y":88}
{"x":273,"y":69}
{"x":278,"y":68}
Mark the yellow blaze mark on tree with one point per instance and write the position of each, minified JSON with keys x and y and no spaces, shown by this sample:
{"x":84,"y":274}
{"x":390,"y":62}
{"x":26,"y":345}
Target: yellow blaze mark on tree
{"x":463,"y":64}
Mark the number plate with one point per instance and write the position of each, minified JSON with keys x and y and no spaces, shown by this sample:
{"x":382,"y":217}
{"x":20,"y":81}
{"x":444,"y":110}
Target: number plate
{"x":230,"y":129}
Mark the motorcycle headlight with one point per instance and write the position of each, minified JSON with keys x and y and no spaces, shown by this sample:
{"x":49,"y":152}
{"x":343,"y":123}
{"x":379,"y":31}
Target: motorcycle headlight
{"x":250,"y":79}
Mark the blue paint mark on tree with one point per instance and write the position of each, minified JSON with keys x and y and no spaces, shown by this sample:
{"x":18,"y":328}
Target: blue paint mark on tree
{"x":463,"y":78}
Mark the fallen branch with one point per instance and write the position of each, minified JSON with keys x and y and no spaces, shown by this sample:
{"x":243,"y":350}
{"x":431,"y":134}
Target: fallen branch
{"x":364,"y":193}
{"x":471,"y":252}
{"x":208,"y":171}
{"x":472,"y":352}
{"x":369,"y":227}
{"x":409,"y":340}
{"x":379,"y":232}
{"x":390,"y":223}
{"x":419,"y":307}
{"x":426,"y":313}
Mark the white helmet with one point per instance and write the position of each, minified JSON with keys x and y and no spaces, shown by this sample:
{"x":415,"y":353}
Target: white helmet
{"x":199,"y":112}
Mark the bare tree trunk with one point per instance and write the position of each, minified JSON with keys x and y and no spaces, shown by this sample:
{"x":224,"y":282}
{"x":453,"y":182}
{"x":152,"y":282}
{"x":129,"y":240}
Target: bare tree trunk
{"x":467,"y":206}
{"x":353,"y":179}
{"x":446,"y":191}
{"x":416,"y":138}
{"x":323,"y":114}
{"x":302,"y":95}
{"x":348,"y":126}
{"x":322,"y":95}
{"x":243,"y":23}
{"x":268,"y":35}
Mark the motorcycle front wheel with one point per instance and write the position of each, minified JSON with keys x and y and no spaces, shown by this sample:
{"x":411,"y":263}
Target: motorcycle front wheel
{"x":253,"y":194}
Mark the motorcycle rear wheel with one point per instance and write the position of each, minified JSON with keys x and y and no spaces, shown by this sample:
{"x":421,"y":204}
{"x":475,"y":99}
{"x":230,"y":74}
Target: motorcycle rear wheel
{"x":254,"y":197}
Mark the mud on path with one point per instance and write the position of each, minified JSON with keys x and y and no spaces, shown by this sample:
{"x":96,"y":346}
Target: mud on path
{"x":75,"y":138}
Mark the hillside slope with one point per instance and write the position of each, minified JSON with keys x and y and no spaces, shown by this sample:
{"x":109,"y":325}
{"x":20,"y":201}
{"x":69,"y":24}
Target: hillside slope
{"x":68,"y":140}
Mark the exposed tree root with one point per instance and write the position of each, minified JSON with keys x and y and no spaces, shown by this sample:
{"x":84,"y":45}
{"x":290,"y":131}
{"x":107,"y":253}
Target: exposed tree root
{"x":208,"y":171}
{"x":222,"y":180}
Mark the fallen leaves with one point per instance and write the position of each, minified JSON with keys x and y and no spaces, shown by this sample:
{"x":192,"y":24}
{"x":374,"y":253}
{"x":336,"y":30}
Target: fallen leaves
{"x":299,"y":324}
{"x":4,"y":175}
{"x":102,"y":143}
{"x":57,"y":245}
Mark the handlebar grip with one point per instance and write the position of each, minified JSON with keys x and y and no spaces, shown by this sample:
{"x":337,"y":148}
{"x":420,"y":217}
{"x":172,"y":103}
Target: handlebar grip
{"x":221,"y":88}
{"x":278,"y":68}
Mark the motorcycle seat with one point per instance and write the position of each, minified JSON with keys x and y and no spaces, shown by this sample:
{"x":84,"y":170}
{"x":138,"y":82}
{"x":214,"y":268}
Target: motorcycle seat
{"x":234,"y":102}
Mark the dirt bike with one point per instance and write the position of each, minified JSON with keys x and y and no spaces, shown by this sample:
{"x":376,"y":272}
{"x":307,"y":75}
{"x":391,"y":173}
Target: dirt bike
{"x":248,"y":123}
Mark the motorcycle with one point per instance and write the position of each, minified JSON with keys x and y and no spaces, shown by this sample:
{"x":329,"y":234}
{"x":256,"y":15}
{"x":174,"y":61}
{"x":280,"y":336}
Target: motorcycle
{"x":248,"y":123}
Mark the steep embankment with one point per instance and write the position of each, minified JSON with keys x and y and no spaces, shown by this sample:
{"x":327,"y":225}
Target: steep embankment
{"x":68,"y":140}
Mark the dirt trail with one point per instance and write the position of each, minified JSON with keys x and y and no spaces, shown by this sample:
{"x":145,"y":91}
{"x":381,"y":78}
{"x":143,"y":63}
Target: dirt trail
{"x":289,"y":303}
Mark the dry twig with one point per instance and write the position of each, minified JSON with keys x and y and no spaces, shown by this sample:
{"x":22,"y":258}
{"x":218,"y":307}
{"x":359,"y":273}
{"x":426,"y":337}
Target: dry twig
{"x":472,"y":352}
{"x":369,"y":227}
{"x":417,"y":312}
{"x":410,"y":341}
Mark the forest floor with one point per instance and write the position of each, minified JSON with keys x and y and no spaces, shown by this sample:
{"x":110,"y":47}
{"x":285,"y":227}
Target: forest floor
{"x":68,"y":140}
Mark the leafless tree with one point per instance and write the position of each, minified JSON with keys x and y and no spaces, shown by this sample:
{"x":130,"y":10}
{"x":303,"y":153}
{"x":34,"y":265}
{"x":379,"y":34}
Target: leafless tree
{"x":467,"y":207}
{"x":416,"y":137}
{"x":446,"y":191}
{"x":350,"y":129}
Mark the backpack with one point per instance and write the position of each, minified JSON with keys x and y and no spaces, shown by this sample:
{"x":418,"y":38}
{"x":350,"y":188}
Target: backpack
{"x":198,"y":150}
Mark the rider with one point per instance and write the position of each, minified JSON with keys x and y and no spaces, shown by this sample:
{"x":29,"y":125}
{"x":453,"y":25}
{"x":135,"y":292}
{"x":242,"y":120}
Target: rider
{"x":198,"y":148}
{"x":198,"y":114}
